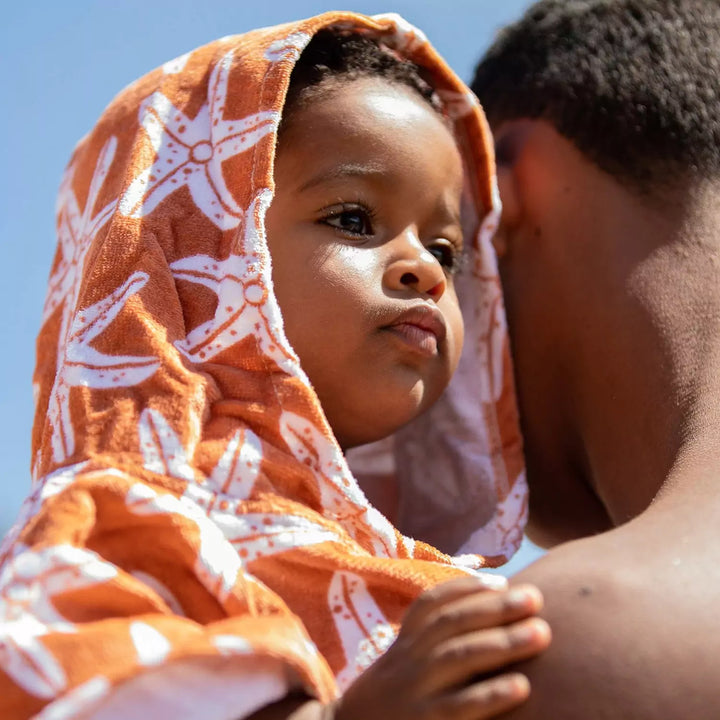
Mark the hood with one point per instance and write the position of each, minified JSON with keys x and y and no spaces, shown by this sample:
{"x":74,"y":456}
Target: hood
{"x":161,"y":335}
{"x":195,"y":533}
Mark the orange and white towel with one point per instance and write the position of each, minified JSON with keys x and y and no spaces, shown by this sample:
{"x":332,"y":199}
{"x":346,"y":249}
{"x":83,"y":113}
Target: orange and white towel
{"x":195,"y":544}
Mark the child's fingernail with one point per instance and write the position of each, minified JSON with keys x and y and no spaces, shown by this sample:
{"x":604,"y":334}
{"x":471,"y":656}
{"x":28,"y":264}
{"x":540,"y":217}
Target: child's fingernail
{"x":530,"y":632}
{"x":521,"y":597}
{"x":515,"y":684}
{"x":517,"y":599}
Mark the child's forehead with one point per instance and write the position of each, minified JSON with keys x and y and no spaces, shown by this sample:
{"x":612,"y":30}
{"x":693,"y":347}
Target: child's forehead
{"x":431,"y":82}
{"x":366,"y":118}
{"x":345,"y":102}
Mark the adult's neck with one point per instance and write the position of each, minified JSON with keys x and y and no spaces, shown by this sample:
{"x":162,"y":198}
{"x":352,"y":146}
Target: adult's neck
{"x":656,"y":430}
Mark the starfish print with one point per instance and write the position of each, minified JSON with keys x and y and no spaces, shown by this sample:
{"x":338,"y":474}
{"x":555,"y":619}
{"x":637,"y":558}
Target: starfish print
{"x":244,"y":305}
{"x":78,"y":701}
{"x":151,"y":646}
{"x":76,"y":233}
{"x":82,"y":365}
{"x":28,"y":584}
{"x":232,"y":478}
{"x":503,"y":533}
{"x":486,"y":339}
{"x":287,"y":48}
{"x":221,"y":494}
{"x":405,"y":37}
{"x":218,"y":565}
{"x":238,"y":468}
{"x":43,"y":489}
{"x":190,"y":152}
{"x":339,"y":491}
{"x":364,"y":631}
{"x":172,"y":67}
{"x":457,"y":104}
{"x":162,"y":449}
{"x":255,"y":535}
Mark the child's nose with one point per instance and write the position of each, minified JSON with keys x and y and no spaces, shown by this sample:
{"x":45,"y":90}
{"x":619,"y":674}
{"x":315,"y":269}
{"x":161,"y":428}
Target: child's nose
{"x":413,"y":266}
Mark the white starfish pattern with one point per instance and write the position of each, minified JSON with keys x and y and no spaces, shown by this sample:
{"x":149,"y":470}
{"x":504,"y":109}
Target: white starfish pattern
{"x":287,"y":48}
{"x":255,"y":535}
{"x":490,"y":338}
{"x":231,"y":480}
{"x":151,"y":646}
{"x":458,"y":104}
{"x":190,"y":152}
{"x":77,"y":362}
{"x":503,"y":533}
{"x":365,"y":632}
{"x":339,"y":491}
{"x":28,"y":584}
{"x":172,"y":67}
{"x":217,"y":565}
{"x":82,"y":365}
{"x":77,"y":701}
{"x":406,"y":37}
{"x":76,"y":233}
{"x":244,"y":305}
{"x":162,"y":450}
{"x":45,"y":488}
{"x":221,"y":494}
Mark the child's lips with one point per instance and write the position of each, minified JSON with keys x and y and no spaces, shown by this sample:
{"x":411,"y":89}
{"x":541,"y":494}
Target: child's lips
{"x":422,"y":328}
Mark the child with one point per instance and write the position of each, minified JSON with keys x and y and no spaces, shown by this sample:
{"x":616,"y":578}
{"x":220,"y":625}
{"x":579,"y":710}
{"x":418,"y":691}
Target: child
{"x":196,"y":545}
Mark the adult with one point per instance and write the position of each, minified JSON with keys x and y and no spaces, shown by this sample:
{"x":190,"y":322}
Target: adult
{"x":605,"y":114}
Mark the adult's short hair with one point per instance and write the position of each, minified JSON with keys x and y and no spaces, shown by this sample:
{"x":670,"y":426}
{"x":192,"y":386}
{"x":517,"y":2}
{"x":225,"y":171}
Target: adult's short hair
{"x":634,"y":84}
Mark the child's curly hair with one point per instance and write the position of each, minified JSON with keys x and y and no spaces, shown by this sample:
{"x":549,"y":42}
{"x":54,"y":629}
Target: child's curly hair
{"x":334,"y":56}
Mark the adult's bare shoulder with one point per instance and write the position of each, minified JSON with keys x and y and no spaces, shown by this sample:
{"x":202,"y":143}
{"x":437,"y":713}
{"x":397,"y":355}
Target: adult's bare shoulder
{"x":634,"y":631}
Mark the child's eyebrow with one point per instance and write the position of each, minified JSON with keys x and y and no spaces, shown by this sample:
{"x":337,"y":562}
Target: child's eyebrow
{"x":342,"y":171}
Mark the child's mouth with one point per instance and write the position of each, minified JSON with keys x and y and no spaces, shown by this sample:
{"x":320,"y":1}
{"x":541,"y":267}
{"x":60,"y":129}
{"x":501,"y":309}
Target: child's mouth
{"x":421,"y":340}
{"x":422,"y":328}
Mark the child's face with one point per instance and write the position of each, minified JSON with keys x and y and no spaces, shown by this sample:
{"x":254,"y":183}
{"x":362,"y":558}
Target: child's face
{"x":364,"y":232}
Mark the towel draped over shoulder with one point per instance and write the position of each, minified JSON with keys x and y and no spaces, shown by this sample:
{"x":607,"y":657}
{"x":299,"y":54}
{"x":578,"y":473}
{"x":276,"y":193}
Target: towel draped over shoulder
{"x":195,"y":543}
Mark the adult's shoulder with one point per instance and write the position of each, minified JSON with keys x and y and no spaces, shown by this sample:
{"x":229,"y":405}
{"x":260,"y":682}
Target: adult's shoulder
{"x":634,"y":631}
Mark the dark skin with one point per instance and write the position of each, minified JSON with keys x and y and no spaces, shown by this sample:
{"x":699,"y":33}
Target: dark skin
{"x":452,"y":639}
{"x":364,"y":228}
{"x":614,"y":313}
{"x":364,"y":225}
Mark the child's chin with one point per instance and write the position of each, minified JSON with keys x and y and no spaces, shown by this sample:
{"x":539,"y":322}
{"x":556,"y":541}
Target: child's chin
{"x":380,"y":423}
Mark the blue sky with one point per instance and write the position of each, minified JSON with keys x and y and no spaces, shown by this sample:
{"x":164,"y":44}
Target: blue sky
{"x":60,"y":64}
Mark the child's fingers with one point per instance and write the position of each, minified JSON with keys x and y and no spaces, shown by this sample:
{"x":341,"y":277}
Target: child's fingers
{"x":477,"y":611}
{"x":482,"y":700}
{"x":491,"y":581}
{"x":459,"y":660}
{"x":439,"y":596}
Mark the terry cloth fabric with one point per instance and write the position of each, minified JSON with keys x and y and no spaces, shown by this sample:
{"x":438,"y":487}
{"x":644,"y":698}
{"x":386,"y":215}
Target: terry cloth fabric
{"x":195,"y":544}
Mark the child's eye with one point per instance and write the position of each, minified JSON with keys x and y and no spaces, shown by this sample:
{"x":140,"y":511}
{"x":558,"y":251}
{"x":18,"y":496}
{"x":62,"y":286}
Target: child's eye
{"x":351,"y":220}
{"x":447,"y":254}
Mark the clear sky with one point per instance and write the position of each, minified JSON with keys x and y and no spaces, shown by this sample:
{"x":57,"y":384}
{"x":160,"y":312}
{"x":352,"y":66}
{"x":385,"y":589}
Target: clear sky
{"x":60,"y":64}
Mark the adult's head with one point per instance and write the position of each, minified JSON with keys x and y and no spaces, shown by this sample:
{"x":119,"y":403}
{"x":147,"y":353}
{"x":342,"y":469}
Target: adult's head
{"x":631,"y":83}
{"x":605,"y":114}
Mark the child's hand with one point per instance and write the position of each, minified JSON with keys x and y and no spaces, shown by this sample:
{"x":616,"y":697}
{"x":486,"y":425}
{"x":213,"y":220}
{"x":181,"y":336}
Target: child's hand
{"x":445,"y":662}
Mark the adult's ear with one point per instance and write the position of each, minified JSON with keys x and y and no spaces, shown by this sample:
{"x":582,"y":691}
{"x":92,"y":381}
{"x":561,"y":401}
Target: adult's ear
{"x":509,"y":216}
{"x":510,"y":142}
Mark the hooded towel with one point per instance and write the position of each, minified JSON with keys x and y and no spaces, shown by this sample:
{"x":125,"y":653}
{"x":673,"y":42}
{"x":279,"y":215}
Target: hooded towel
{"x":195,"y":544}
